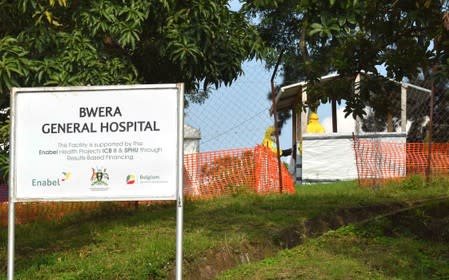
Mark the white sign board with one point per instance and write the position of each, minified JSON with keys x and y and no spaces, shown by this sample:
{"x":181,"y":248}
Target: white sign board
{"x":96,"y":143}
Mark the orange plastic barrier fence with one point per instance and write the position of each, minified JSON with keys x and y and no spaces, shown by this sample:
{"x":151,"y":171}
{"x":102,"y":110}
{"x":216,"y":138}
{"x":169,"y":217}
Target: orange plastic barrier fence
{"x":382,"y":161}
{"x":238,"y":170}
{"x":205,"y":174}
{"x":419,"y":160}
{"x":27,"y":212}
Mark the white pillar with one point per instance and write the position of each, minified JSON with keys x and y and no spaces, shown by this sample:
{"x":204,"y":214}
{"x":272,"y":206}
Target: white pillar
{"x":403,"y":108}
{"x":302,"y":121}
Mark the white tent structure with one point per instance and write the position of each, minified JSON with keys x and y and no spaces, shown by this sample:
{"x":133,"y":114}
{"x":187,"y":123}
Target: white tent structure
{"x":329,"y":156}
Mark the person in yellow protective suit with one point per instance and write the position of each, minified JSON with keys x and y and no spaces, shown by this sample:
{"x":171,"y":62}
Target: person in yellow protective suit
{"x":314,"y":125}
{"x":268,"y":141}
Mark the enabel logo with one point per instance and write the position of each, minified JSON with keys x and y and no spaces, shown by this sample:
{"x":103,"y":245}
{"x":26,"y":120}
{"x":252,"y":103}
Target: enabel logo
{"x":130,"y":179}
{"x":51,"y":182}
{"x":45,"y":182}
{"x":66,"y":176}
{"x":99,"y":177}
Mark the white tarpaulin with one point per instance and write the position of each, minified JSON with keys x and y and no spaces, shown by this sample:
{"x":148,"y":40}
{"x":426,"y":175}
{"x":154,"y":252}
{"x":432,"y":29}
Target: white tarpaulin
{"x":331,"y":157}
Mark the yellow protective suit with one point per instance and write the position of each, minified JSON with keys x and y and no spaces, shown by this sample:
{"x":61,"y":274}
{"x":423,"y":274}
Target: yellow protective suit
{"x":268,"y":139}
{"x":314,"y":125}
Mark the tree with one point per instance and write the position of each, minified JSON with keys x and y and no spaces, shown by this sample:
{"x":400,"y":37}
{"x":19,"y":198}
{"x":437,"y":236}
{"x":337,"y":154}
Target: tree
{"x":72,"y":42}
{"x":62,"y":42}
{"x":407,"y":38}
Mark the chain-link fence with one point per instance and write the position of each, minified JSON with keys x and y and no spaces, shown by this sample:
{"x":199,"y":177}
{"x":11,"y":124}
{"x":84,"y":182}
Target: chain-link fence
{"x":235,"y":116}
{"x":422,"y":112}
{"x":418,"y":114}
{"x":398,"y":107}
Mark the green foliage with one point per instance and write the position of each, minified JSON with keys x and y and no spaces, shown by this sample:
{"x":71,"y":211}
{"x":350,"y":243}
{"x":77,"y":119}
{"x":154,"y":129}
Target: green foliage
{"x":407,"y":38}
{"x":200,"y":43}
{"x":4,"y":151}
{"x":413,"y":183}
{"x":38,"y":51}
{"x":14,"y":66}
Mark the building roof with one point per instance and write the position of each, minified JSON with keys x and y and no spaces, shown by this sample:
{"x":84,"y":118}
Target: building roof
{"x":291,"y":95}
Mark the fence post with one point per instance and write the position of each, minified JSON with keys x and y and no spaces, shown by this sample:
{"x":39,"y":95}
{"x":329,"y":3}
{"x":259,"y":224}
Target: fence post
{"x":429,"y":156}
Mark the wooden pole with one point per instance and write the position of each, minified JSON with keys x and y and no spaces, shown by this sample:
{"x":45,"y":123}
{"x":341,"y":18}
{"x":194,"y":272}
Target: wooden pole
{"x":389,"y":122}
{"x":276,"y":129}
{"x":334,"y":115}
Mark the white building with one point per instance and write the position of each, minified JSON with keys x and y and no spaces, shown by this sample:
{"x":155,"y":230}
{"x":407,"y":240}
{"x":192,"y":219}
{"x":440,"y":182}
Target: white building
{"x":192,"y":137}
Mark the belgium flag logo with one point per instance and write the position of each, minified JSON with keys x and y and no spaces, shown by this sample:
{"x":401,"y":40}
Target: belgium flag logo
{"x":130,"y":179}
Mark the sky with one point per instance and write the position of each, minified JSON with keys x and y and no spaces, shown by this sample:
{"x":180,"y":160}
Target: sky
{"x":234,"y":116}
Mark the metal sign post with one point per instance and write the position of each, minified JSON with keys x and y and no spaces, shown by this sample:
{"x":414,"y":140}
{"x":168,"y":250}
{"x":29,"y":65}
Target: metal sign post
{"x":180,"y":189}
{"x":11,"y":235}
{"x":11,"y":194}
{"x":105,"y":143}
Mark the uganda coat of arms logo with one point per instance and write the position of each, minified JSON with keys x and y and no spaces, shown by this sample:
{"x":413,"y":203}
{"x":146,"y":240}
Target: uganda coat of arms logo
{"x":99,"y":177}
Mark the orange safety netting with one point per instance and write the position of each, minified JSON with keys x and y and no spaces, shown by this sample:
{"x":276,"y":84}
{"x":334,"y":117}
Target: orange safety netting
{"x":419,"y":160}
{"x":205,"y":174}
{"x":26,"y":212}
{"x":380,"y":161}
{"x":237,"y":170}
{"x":377,"y":159}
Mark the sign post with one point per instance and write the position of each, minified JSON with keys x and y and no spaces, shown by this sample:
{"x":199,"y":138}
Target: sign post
{"x":107,"y":143}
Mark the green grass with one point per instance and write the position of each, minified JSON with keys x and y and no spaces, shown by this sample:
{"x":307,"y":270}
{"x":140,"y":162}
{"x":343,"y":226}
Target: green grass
{"x":356,"y":252}
{"x":222,"y":233}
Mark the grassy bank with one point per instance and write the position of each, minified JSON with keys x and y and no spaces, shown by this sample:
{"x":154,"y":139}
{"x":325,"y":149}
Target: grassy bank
{"x":412,"y":244}
{"x":219,"y":234}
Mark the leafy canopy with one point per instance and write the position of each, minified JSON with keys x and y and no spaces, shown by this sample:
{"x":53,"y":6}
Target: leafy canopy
{"x":71,"y":42}
{"x":407,"y":38}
